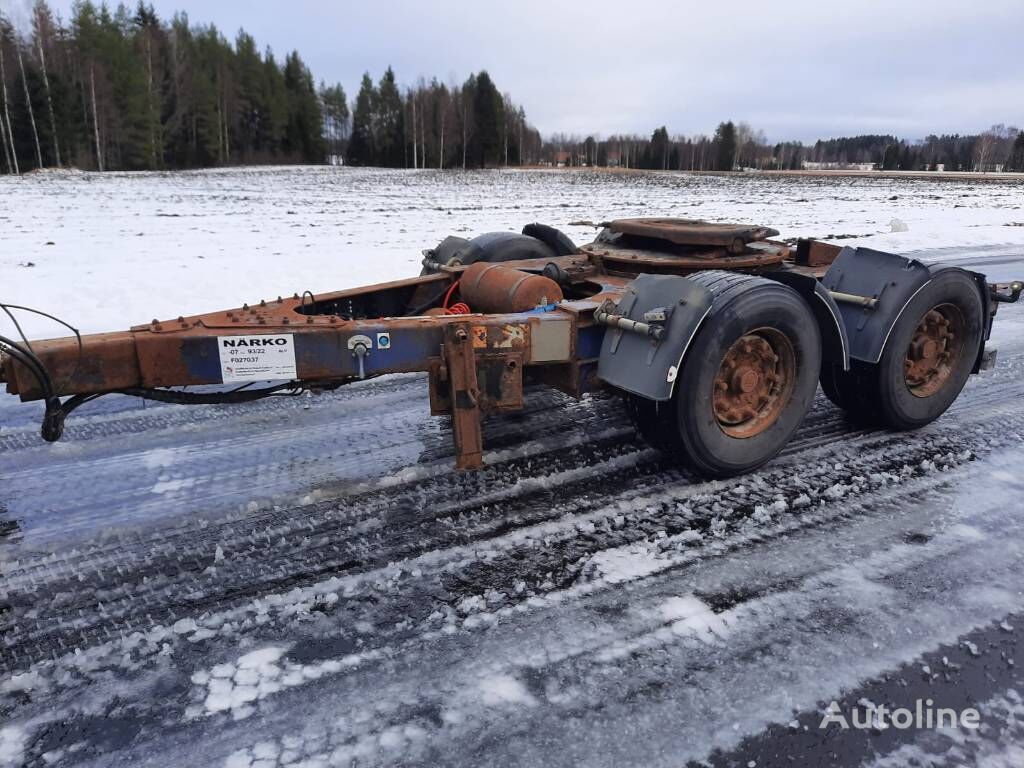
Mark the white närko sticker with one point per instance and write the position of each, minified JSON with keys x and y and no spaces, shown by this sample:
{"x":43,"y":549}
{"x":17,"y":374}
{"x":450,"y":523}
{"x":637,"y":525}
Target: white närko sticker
{"x":256,"y":358}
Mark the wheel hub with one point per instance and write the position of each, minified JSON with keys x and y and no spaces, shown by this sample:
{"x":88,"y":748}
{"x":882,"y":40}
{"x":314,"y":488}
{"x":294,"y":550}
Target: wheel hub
{"x":934,"y":350}
{"x":754,"y":382}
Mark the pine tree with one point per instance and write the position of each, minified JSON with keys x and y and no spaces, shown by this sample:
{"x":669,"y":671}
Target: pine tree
{"x":250,"y":94}
{"x":1016,"y":160}
{"x":304,"y":134}
{"x":361,"y":149}
{"x":659,"y":156}
{"x":488,"y":119}
{"x":725,"y":146}
{"x":274,"y":115}
{"x":389,"y":136}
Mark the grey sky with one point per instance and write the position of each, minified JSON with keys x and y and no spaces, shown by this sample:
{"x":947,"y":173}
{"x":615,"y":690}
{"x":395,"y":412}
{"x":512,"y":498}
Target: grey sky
{"x":798,"y":69}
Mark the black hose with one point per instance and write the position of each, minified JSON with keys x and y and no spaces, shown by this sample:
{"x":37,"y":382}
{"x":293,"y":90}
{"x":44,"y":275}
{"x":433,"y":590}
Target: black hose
{"x":212,"y":398}
{"x":30,"y":361}
{"x":420,"y":309}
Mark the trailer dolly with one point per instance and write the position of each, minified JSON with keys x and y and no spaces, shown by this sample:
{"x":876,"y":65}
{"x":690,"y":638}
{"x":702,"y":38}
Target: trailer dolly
{"x":715,"y":335}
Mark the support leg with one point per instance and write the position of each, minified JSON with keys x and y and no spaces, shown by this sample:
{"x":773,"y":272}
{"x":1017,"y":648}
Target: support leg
{"x":465,"y":397}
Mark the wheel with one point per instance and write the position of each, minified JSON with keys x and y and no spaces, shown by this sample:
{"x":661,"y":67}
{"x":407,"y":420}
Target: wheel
{"x":747,"y":381}
{"x":849,"y":390}
{"x":654,"y":421}
{"x":930,"y":353}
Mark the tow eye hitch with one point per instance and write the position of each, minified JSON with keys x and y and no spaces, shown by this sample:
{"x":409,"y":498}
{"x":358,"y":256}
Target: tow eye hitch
{"x":1007,"y":293}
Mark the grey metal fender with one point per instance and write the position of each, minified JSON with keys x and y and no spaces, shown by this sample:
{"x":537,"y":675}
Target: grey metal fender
{"x":835,"y":346}
{"x":639,"y":364}
{"x":891,"y":279}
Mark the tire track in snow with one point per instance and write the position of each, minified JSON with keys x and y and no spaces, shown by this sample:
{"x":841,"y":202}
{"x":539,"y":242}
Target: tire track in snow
{"x":175,"y":581}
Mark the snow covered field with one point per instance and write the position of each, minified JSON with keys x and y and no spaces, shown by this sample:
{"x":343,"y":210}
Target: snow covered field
{"x":119,"y":249}
{"x":279,"y":584}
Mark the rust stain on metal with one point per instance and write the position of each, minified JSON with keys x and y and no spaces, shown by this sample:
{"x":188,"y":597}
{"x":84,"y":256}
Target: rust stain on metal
{"x":814,"y":253}
{"x":733,"y":237}
{"x":636,"y":260}
{"x":934,"y":350}
{"x":754,"y":382}
{"x":465,"y":397}
{"x":511,"y":336}
{"x":498,"y":288}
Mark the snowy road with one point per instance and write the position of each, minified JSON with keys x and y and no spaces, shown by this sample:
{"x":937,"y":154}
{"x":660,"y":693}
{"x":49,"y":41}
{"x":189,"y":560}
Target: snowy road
{"x":311,"y":583}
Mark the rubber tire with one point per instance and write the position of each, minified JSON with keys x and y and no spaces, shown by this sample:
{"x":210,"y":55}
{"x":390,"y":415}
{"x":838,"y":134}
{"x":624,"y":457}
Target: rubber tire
{"x":742,"y":303}
{"x":850,"y":390}
{"x":878,"y":394}
{"x":654,"y":421}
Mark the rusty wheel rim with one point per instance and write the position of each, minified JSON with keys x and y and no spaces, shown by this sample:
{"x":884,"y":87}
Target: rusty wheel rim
{"x":754,"y":382}
{"x":934,"y":350}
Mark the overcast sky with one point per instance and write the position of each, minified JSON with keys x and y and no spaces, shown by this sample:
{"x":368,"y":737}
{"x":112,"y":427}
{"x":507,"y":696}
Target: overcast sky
{"x":798,"y":69}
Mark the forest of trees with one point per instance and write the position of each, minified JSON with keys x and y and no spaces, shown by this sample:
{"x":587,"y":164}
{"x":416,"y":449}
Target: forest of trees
{"x":126,"y":90}
{"x":433,"y":125}
{"x":737,"y":146}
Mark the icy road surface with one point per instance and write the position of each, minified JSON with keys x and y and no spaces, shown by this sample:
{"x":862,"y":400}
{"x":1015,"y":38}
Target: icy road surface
{"x":309,"y":582}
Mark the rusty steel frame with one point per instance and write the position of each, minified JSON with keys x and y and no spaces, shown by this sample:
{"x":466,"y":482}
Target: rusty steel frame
{"x":476,"y":363}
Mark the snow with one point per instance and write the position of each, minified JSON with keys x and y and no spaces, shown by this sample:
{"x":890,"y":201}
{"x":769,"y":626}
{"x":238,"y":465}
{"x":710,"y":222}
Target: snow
{"x":504,"y":689}
{"x":621,"y":564}
{"x":578,"y":601}
{"x":260,"y":659}
{"x":118,"y":249}
{"x":12,"y":745}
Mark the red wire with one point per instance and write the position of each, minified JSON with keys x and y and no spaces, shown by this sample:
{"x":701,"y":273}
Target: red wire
{"x":461,"y":308}
{"x":448,"y":295}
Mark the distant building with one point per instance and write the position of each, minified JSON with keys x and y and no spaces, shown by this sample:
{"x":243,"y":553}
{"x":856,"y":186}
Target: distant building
{"x":809,"y":165}
{"x":562,"y":158}
{"x":614,"y":158}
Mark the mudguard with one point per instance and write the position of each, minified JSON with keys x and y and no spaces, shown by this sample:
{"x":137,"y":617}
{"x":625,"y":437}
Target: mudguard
{"x":892,"y":280}
{"x":835,"y":345}
{"x":639,"y":364}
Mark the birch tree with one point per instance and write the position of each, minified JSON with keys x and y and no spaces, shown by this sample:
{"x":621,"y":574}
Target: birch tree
{"x":28,"y":104}
{"x":7,"y":112}
{"x":43,"y":32}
